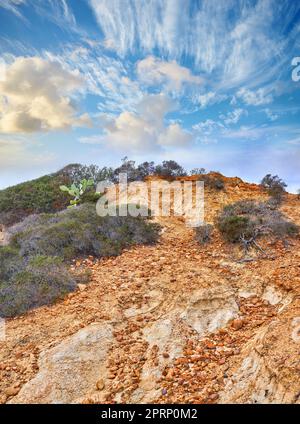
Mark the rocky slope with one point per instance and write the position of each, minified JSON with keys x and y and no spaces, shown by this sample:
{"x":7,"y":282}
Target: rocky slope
{"x":175,"y":322}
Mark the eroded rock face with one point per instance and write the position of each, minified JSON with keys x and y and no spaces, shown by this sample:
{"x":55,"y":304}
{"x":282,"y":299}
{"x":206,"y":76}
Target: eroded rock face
{"x":210,"y":309}
{"x":269,"y":371}
{"x":71,"y":369}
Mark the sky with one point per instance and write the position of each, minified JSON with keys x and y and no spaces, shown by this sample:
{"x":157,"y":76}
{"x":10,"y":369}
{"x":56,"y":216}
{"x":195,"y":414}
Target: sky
{"x":208,"y":83}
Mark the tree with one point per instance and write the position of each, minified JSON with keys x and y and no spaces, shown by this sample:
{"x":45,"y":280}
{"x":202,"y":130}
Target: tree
{"x":145,"y":169}
{"x":274,"y":185}
{"x":77,"y":172}
{"x":128,"y":168}
{"x":198,"y":171}
{"x":170,"y":168}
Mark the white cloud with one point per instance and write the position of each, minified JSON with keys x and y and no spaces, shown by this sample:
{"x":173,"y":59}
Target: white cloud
{"x":271,"y":115}
{"x":208,"y":99}
{"x":174,"y":135}
{"x":207,"y":127}
{"x":234,"y":116}
{"x":153,"y":70}
{"x":36,"y":96}
{"x":259,"y":97}
{"x":142,"y":130}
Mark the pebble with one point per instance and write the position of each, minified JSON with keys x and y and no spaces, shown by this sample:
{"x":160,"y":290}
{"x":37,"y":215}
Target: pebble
{"x":100,"y":384}
{"x":12,"y":391}
{"x":237,"y":324}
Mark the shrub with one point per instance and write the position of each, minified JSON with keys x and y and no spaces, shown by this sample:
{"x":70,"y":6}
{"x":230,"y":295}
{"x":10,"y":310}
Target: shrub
{"x":32,"y":268}
{"x":203,"y":233}
{"x":10,"y":262}
{"x":233,"y":227}
{"x":249,"y":219}
{"x":40,"y":195}
{"x":80,"y":231}
{"x":274,"y":185}
{"x":212,"y":182}
{"x":42,"y":281}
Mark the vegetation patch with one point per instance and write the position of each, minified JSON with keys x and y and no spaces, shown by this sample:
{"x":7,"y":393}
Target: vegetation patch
{"x":247,"y":220}
{"x":203,"y":233}
{"x":34,"y":267}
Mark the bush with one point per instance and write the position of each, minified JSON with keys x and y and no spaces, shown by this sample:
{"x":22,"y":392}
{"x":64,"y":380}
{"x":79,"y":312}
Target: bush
{"x":80,"y":231}
{"x":32,"y":268}
{"x":212,"y":182}
{"x":250,"y":219}
{"x":10,"y":262}
{"x":233,"y":227}
{"x":203,"y":233}
{"x":42,"y":281}
{"x":40,"y":195}
{"x":77,"y":172}
{"x":274,"y":185}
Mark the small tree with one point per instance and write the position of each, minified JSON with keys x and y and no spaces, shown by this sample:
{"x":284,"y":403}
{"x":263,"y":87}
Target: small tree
{"x":145,"y":169}
{"x":274,"y":185}
{"x":198,"y":171}
{"x":170,"y":168}
{"x":128,"y":168}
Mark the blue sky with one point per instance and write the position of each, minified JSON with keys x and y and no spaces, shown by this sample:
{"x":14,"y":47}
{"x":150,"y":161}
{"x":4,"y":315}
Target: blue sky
{"x":207,"y":83}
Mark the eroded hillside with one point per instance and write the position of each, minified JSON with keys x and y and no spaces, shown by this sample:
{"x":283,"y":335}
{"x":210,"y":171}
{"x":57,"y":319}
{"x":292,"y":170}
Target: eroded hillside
{"x":172,"y":322}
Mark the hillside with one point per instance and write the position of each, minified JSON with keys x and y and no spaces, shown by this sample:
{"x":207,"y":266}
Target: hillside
{"x":171,"y":322}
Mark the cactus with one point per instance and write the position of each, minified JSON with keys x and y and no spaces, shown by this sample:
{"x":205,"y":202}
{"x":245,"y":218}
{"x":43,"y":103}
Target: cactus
{"x":77,"y":191}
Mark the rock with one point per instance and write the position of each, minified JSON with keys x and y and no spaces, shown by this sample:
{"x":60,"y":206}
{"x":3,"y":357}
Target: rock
{"x":81,"y":287}
{"x":67,"y":371}
{"x":12,"y":391}
{"x":100,"y":384}
{"x":3,"y":399}
{"x":237,"y":324}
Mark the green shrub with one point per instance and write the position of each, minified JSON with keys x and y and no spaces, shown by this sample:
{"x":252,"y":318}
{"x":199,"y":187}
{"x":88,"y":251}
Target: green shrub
{"x":10,"y":262}
{"x":203,"y":233}
{"x":42,"y":281}
{"x":40,"y":195}
{"x":32,"y":268}
{"x":80,"y":231}
{"x":250,"y":219}
{"x":232,"y":227}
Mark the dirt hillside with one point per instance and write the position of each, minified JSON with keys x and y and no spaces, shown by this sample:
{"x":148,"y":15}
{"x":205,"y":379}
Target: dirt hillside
{"x":173,"y":322}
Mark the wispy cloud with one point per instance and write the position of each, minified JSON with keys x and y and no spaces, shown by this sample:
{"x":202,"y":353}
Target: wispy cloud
{"x":234,"y":40}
